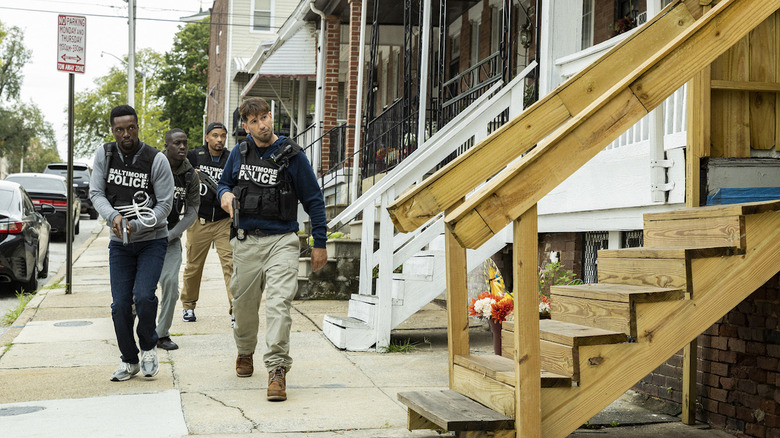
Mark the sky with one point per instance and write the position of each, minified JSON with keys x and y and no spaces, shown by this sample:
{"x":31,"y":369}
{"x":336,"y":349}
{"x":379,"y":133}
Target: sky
{"x":107,"y":31}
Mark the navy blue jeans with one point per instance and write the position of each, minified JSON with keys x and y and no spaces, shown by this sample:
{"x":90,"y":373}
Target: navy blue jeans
{"x":135,"y":270}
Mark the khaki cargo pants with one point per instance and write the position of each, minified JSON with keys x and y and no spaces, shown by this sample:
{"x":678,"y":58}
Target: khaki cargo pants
{"x":199,"y":238}
{"x":270,"y":264}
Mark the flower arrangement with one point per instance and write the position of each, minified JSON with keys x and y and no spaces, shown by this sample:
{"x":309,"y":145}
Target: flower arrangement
{"x":492,"y":306}
{"x":544,"y":307}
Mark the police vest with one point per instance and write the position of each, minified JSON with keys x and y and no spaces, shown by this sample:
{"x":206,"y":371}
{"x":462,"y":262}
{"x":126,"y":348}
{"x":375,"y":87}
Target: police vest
{"x":210,"y":208}
{"x":180,"y":184}
{"x":265,"y":192}
{"x":126,"y":182}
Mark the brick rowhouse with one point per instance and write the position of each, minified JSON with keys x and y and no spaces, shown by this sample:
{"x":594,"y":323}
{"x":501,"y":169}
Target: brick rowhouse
{"x":331,"y":85}
{"x":355,"y":7}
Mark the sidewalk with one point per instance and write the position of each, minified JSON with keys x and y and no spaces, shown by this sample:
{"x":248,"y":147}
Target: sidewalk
{"x":58,"y":356}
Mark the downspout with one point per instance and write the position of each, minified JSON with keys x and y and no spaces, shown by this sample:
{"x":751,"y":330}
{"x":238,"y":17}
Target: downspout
{"x":359,"y":105}
{"x":319,"y":97}
{"x":424,"y":64}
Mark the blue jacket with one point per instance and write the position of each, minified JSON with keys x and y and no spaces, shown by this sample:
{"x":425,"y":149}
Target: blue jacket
{"x":307,"y":190}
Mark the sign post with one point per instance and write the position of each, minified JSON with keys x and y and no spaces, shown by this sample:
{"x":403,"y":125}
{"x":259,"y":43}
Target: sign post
{"x":71,"y":58}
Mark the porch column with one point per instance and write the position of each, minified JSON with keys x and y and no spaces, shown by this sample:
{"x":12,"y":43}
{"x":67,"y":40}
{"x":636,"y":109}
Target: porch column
{"x":330,"y":85}
{"x":353,"y":86}
{"x":303,"y":83}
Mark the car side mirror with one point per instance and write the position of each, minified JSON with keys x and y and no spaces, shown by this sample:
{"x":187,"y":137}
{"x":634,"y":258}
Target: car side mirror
{"x":47,"y":209}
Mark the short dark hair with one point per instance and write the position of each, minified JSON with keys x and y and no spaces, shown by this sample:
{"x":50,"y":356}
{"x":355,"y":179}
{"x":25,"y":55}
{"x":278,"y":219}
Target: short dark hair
{"x":174,"y":131}
{"x":252,"y":106}
{"x":122,"y":110}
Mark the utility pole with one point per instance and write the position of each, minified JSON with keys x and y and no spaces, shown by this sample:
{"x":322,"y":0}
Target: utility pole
{"x":131,"y":53}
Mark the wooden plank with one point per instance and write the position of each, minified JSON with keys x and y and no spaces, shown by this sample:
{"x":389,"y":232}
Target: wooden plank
{"x":763,"y":59}
{"x":666,"y":252}
{"x":560,"y":359}
{"x":527,"y":363}
{"x":576,"y":335}
{"x":731,"y":109}
{"x":689,"y":383}
{"x":770,"y":87}
{"x":619,"y":293}
{"x":496,"y":395}
{"x":452,"y":411}
{"x":716,"y":210}
{"x":502,"y":369}
{"x":721,"y":284}
{"x":725,"y":231}
{"x":415,"y":421}
{"x":664,"y":273}
{"x":608,"y":315}
{"x":438,"y":192}
{"x":457,"y":297}
{"x":699,"y":118}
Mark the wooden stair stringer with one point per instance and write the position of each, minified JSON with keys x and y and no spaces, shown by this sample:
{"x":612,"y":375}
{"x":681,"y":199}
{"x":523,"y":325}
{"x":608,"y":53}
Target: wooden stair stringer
{"x":720,"y":284}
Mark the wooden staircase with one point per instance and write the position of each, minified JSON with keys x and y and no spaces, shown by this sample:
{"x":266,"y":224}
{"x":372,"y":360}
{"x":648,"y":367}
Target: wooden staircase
{"x":697,"y":265}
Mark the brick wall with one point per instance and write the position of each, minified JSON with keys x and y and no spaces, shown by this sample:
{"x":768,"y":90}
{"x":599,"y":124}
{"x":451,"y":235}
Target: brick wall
{"x":738,"y":376}
{"x":354,"y":67}
{"x":330,"y":84}
{"x":604,"y":16}
{"x":217,"y":61}
{"x":569,"y":245}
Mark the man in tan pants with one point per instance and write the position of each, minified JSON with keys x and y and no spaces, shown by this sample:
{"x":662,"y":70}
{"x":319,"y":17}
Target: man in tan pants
{"x":213,"y":224}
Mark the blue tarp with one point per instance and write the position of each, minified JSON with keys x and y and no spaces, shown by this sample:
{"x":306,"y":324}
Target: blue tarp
{"x":738,"y":196}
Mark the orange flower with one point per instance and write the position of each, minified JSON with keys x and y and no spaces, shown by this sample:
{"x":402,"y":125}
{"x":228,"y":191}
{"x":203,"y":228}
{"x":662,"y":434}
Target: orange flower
{"x":482,"y":306}
{"x":502,"y":308}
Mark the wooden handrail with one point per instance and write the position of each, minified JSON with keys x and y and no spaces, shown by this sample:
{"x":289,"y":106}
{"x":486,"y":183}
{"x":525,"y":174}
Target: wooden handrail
{"x":523,"y":184}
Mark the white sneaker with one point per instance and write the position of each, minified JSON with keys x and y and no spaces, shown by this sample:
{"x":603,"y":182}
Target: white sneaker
{"x":188,"y":315}
{"x":125,"y":371}
{"x":149,"y":362}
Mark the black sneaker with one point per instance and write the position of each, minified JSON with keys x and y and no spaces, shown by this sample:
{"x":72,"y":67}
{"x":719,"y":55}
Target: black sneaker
{"x":188,"y":315}
{"x":166,"y":343}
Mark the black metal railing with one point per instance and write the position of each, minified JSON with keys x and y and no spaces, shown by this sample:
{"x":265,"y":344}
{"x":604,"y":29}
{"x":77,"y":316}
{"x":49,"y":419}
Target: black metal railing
{"x":389,"y":138}
{"x":465,"y":88}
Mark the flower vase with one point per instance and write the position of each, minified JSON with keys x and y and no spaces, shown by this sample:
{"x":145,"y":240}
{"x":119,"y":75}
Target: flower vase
{"x":495,"y":329}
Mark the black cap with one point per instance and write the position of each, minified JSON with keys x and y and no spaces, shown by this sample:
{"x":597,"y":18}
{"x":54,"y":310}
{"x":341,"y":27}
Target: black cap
{"x":215,"y":125}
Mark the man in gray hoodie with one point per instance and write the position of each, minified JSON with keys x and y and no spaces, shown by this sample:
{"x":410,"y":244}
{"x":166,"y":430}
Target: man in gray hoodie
{"x":132,"y":189}
{"x":186,"y":199}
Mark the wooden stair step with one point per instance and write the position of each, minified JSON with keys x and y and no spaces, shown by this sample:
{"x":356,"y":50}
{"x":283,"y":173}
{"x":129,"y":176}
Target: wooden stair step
{"x":560,"y":342}
{"x":715,"y":225}
{"x":451,"y":411}
{"x":606,"y":306}
{"x":502,"y":369}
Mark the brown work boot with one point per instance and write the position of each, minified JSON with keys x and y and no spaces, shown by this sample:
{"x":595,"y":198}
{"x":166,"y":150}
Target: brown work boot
{"x":244,"y":367}
{"x":277,"y":385}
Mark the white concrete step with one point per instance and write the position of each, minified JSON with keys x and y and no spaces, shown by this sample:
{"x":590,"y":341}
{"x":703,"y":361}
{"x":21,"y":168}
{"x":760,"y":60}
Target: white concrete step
{"x":348,"y":333}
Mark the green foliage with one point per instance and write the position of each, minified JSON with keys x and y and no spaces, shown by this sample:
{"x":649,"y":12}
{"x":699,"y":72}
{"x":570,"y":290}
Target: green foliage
{"x":553,"y":274}
{"x":21,"y":300}
{"x":184,"y":79}
{"x":396,"y":346}
{"x":13,"y":56}
{"x":25,"y":134}
{"x":92,"y":107}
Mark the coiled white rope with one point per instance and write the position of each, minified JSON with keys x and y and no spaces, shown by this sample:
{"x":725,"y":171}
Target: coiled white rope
{"x":140,"y":209}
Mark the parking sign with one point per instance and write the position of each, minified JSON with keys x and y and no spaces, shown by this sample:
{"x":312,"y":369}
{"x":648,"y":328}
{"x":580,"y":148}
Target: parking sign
{"x":71,"y":43}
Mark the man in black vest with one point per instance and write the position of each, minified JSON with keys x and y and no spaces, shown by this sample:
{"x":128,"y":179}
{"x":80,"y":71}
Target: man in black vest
{"x":213,"y":224}
{"x":186,"y":199}
{"x":268,"y":175}
{"x":132,"y":189}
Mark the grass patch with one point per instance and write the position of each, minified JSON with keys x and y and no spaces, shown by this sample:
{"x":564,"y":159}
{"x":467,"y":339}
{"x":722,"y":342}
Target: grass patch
{"x":400,"y":347}
{"x":21,"y":300}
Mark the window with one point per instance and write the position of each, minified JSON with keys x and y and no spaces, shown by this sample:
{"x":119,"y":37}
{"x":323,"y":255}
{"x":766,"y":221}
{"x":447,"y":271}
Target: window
{"x":587,"y":24}
{"x":474,"y":42}
{"x":261,"y":15}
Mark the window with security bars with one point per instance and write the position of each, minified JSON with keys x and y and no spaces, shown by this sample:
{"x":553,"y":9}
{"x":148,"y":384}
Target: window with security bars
{"x":594,"y":241}
{"x":632,"y":239}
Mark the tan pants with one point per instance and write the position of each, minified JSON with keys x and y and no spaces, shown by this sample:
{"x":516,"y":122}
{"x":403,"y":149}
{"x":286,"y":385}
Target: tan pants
{"x":199,"y":238}
{"x":270,"y":264}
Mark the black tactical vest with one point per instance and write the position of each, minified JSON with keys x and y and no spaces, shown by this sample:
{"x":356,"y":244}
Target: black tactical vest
{"x":210,"y":208}
{"x":128,"y":181}
{"x":179,"y":207}
{"x":265,"y":191}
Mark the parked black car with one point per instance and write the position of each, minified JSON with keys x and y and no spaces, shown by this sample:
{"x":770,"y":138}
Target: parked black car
{"x":81,"y":177}
{"x":52,"y":190}
{"x":24,"y":238}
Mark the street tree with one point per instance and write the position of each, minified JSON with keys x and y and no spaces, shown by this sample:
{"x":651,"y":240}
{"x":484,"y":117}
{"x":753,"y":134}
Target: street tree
{"x":13,"y":56}
{"x":184,"y":78}
{"x":92,"y":107}
{"x":26,"y":137}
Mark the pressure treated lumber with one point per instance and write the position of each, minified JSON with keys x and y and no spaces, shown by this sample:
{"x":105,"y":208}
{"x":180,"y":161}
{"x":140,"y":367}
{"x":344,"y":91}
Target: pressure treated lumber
{"x":451,"y":183}
{"x":721,"y":284}
{"x":524,"y":183}
{"x":452,"y":411}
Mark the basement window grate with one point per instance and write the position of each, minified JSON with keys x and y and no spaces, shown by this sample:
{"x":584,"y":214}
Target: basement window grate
{"x":633,"y":239}
{"x":594,"y":241}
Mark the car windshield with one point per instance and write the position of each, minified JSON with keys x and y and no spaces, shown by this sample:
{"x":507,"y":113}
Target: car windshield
{"x":6,"y":199}
{"x":33,"y":184}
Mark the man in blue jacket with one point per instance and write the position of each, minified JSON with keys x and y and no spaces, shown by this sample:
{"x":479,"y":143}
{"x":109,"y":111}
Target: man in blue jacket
{"x":268,"y":175}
